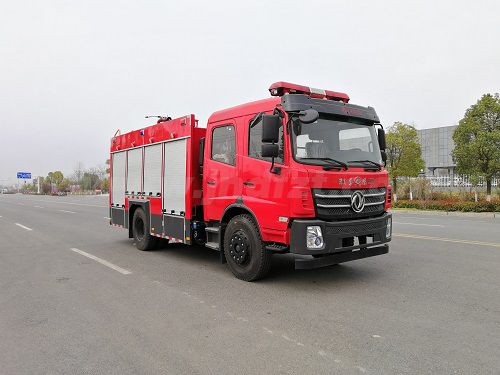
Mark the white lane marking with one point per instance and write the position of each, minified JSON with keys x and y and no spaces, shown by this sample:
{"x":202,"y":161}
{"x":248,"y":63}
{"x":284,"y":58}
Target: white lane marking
{"x":1,"y":216}
{"x":437,"y":217}
{"x":102,"y":261}
{"x":322,"y":353}
{"x":75,"y":204}
{"x":376,"y":336}
{"x":414,"y":217}
{"x":107,"y":218}
{"x":38,"y":206}
{"x":68,"y":212}
{"x":22,"y":226}
{"x":425,"y":225}
{"x":467,"y":242}
{"x":72,"y":203}
{"x":267,"y":330}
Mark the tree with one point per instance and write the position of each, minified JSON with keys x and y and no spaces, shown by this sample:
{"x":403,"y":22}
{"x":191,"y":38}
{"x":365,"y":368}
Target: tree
{"x":64,"y":185}
{"x":45,"y":185}
{"x":90,"y":180}
{"x":404,"y":155}
{"x":55,"y":178}
{"x":477,"y":140}
{"x":105,"y":185}
{"x":78,"y":173}
{"x":100,"y":171}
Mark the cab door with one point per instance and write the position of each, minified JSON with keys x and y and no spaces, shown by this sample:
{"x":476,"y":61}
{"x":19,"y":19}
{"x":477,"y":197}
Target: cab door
{"x":221,"y":184}
{"x":264,"y":192}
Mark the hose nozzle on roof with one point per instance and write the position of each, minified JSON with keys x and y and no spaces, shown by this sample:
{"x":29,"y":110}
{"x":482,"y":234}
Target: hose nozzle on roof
{"x":159,"y":117}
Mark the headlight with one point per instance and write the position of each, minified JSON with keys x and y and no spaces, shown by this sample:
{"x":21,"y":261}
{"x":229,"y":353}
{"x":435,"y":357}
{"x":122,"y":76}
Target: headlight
{"x":314,"y":238}
{"x":388,"y":230}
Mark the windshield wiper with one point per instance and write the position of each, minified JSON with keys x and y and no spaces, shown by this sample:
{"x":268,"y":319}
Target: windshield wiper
{"x":337,"y":164}
{"x":375,"y":164}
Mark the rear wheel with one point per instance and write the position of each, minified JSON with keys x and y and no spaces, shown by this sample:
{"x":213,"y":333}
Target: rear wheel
{"x":143,"y":240}
{"x":244,"y":250}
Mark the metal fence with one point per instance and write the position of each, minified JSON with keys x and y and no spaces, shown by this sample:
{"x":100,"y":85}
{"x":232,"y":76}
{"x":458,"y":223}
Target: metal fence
{"x":459,"y":181}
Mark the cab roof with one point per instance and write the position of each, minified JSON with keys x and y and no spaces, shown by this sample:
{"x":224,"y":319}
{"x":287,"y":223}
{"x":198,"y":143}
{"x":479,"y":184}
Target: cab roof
{"x":245,"y":109}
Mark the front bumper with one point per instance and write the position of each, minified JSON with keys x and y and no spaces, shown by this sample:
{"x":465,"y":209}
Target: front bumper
{"x":369,"y":236}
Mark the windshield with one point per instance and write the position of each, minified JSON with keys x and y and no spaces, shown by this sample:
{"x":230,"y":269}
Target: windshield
{"x":353,"y":143}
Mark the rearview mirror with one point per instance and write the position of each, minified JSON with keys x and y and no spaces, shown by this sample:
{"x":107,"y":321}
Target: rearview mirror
{"x":384,"y":156}
{"x":381,"y":139}
{"x":308,"y":116}
{"x":271,"y":128}
{"x":270,"y":150}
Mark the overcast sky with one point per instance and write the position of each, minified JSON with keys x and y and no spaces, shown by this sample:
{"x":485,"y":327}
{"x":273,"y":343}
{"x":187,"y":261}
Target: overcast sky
{"x":73,"y":72}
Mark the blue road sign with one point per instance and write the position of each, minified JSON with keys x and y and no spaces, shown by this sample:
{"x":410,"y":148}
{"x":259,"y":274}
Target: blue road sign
{"x":24,"y":175}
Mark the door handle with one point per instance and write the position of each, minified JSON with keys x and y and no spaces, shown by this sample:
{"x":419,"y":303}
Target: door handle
{"x":210,"y":182}
{"x":248,"y":183}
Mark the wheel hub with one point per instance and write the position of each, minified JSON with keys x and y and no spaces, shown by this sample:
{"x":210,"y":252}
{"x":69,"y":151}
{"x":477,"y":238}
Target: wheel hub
{"x":139,"y":227}
{"x":239,"y":247}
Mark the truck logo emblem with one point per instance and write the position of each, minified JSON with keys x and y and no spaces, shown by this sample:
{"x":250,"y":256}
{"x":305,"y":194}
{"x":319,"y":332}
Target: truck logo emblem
{"x":357,"y":201}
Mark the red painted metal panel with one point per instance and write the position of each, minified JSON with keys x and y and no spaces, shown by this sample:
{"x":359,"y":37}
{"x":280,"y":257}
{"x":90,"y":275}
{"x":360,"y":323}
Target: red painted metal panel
{"x":155,"y":205}
{"x":221,"y":182}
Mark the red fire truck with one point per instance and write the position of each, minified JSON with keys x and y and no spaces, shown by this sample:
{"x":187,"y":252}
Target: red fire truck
{"x":301,"y":172}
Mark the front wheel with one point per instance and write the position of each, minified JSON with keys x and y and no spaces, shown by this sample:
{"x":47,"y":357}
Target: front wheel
{"x":244,"y":250}
{"x":143,"y":240}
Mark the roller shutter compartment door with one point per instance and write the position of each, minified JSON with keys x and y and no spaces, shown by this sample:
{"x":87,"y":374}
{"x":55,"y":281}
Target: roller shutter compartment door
{"x":152,"y":170}
{"x":118,"y":180}
{"x":134,"y":171}
{"x":174,"y":182}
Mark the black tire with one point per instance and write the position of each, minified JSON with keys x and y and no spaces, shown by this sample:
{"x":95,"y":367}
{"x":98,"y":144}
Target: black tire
{"x":143,"y":240}
{"x":244,"y":250}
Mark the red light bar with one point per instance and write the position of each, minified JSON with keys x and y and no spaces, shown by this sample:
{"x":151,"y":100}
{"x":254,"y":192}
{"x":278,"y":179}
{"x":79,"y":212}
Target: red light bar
{"x":282,"y":88}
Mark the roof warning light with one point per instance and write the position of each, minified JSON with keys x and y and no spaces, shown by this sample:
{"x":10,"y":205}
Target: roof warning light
{"x":282,"y":88}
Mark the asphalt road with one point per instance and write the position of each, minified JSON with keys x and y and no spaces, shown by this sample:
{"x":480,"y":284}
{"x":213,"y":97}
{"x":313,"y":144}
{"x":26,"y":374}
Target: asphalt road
{"x":76,"y":297}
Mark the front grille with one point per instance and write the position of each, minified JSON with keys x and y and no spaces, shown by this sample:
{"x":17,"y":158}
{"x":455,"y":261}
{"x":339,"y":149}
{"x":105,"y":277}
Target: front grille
{"x":336,"y":203}
{"x":354,"y":229}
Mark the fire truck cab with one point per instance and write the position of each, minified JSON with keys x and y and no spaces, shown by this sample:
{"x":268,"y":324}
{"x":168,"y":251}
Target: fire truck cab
{"x":300,"y":172}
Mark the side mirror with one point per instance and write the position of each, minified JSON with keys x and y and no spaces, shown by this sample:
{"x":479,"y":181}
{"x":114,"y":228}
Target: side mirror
{"x":271,"y":128}
{"x":308,"y":116}
{"x":270,"y":150}
{"x":381,"y":139}
{"x":384,"y":156}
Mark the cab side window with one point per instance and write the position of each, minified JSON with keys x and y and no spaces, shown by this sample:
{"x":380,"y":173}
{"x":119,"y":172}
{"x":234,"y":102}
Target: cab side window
{"x":224,"y":144}
{"x":255,"y":142}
